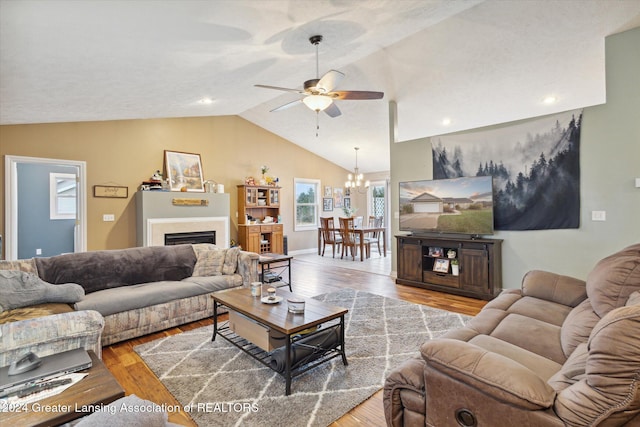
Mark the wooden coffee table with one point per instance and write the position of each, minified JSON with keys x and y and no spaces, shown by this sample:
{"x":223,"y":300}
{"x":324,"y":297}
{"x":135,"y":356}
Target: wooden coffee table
{"x":278,"y":318}
{"x":96,"y":389}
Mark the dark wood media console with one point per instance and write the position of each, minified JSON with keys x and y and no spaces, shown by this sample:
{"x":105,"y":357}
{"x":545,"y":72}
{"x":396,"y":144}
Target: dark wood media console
{"x":423,"y":261}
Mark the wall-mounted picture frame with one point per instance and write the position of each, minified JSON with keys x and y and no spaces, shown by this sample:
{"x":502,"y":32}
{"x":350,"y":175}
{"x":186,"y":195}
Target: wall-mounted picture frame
{"x":111,"y":191}
{"x":184,"y":171}
{"x":441,"y":265}
{"x":337,"y":198}
{"x":346,"y":202}
{"x":327,"y":204}
{"x":328,"y":191}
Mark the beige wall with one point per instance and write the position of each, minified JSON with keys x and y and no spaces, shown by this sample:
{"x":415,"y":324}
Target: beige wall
{"x":609,"y":164}
{"x":127,"y":152}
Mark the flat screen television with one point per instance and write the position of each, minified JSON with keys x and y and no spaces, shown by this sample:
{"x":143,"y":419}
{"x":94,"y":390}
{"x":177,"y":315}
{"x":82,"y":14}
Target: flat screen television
{"x":447,"y":206}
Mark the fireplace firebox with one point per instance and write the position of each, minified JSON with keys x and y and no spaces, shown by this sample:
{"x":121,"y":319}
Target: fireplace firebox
{"x":190,"y":238}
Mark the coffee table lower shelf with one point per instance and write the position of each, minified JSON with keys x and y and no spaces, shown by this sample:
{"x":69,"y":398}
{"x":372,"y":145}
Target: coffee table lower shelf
{"x":301,"y":353}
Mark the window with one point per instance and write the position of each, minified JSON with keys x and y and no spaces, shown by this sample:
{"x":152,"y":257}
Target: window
{"x":306,"y":203}
{"x":62,"y":196}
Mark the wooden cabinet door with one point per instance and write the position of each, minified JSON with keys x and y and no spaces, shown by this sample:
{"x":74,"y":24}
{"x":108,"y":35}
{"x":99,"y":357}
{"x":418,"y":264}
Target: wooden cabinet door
{"x":410,"y":259}
{"x":474,"y":270}
{"x":277,"y":240}
{"x":253,"y":239}
{"x":274,"y":197}
{"x":251,"y":196}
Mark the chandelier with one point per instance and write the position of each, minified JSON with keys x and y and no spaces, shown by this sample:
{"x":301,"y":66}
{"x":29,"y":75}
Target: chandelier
{"x":354,"y":180}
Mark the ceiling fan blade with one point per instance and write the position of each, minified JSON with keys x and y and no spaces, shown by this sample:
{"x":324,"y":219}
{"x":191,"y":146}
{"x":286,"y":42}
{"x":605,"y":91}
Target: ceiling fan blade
{"x":281,"y":88}
{"x":332,"y":110}
{"x":329,"y":81}
{"x":356,"y":94}
{"x":287,"y":105}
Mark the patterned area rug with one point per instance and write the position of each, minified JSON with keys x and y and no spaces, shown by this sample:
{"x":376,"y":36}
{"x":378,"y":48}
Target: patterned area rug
{"x":222,"y":386}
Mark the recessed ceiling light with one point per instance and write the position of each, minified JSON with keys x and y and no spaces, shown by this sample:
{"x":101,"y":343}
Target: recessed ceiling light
{"x":446,"y":121}
{"x":206,"y":101}
{"x":551,"y":99}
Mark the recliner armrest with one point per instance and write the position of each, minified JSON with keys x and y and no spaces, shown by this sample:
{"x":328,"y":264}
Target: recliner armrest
{"x":553,"y":287}
{"x":495,"y":375}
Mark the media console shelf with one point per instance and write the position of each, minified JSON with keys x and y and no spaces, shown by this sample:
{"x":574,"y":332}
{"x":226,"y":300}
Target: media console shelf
{"x":423,"y":261}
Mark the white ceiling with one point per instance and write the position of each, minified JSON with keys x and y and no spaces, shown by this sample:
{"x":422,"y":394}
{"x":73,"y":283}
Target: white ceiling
{"x":475,"y":62}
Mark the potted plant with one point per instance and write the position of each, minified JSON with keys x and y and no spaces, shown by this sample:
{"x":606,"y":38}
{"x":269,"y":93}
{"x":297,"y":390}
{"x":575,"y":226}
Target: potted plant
{"x":349,"y":211}
{"x":455,"y":268}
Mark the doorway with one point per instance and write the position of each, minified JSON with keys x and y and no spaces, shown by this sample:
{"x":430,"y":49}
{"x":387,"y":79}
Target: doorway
{"x":45,"y":211}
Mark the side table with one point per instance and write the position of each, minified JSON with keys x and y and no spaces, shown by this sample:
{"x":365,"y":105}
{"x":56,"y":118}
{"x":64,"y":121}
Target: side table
{"x":281,"y":263}
{"x":96,"y":389}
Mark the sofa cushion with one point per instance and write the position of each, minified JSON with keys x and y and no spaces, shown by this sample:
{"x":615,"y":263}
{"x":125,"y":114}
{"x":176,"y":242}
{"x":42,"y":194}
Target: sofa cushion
{"x":613,"y":279}
{"x":577,"y":326}
{"x":541,"y":338}
{"x":27,"y":265}
{"x":210,"y":262}
{"x":542,"y":366}
{"x":494,"y":374}
{"x":116,"y":300}
{"x":231,"y":260}
{"x":33,"y":311}
{"x":573,"y":369}
{"x":609,"y":391}
{"x":554,"y":287}
{"x":98,"y":270}
{"x":21,"y":289}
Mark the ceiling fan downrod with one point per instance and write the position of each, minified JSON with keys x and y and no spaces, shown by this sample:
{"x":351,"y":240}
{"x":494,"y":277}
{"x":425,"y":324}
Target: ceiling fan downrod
{"x":315,"y":40}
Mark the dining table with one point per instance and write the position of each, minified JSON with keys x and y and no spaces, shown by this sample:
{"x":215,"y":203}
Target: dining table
{"x":362,"y":231}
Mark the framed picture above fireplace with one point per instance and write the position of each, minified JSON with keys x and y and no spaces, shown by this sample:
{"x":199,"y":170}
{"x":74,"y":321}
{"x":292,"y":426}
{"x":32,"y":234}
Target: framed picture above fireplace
{"x":184,"y":171}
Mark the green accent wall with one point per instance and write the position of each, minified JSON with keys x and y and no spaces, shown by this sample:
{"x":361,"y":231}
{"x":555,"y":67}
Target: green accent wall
{"x":609,"y":163}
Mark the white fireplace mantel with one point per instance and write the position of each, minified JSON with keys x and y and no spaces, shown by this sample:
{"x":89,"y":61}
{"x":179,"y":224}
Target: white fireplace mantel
{"x":157,"y":215}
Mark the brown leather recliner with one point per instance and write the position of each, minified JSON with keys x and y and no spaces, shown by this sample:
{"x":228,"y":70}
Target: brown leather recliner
{"x":558,"y":352}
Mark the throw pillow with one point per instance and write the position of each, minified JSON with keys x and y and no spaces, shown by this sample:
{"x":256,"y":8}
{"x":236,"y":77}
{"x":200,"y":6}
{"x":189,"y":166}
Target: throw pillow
{"x":21,"y":289}
{"x":209,"y":263}
{"x":231,"y":261}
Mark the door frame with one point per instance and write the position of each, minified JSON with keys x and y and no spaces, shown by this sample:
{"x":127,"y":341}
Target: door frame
{"x":11,"y":201}
{"x":387,"y":206}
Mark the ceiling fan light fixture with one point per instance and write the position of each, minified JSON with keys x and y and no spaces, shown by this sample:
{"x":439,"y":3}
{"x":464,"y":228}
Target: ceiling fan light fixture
{"x":317,"y":102}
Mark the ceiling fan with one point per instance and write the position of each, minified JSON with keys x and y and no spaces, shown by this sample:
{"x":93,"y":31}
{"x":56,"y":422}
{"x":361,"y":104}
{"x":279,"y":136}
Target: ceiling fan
{"x":319,"y":94}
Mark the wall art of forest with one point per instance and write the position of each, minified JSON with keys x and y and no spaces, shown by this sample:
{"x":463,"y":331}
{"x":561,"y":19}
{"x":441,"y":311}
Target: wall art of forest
{"x":536,"y":183}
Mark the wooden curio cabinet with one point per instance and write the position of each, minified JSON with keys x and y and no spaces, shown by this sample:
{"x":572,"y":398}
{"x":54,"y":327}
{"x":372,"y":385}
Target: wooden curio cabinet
{"x":430,"y":262}
{"x":258,"y":215}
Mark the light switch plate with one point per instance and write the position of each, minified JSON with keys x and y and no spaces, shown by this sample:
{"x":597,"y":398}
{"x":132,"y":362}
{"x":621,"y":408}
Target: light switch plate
{"x":108,"y":217}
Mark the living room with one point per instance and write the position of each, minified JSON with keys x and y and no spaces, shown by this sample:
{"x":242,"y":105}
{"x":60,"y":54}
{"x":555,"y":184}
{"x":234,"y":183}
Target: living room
{"x":127,"y":152}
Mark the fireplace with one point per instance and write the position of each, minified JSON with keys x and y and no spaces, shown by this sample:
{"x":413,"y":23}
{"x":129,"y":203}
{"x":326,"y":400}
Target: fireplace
{"x":158,"y":214}
{"x":190,"y":237}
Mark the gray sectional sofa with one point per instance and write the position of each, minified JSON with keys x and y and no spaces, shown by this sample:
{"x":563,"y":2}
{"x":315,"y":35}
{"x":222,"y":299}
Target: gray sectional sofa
{"x":142,"y":290}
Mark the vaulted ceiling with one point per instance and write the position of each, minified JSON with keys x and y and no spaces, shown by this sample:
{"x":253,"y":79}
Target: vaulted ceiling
{"x":473,"y":62}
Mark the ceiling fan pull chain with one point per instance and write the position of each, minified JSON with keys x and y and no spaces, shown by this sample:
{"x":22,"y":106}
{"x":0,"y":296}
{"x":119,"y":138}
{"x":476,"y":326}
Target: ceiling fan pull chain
{"x":317,"y":123}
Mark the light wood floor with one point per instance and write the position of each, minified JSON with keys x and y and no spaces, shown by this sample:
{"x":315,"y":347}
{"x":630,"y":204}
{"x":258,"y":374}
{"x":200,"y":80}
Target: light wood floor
{"x":312,"y":275}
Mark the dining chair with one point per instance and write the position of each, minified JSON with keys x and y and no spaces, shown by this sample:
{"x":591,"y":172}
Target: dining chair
{"x":350,"y":238}
{"x":374,"y":236}
{"x":329,"y":235}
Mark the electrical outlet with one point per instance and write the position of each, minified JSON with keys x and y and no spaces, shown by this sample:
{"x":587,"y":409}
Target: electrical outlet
{"x":38,"y":251}
{"x":108,"y":217}
{"x":598,"y":215}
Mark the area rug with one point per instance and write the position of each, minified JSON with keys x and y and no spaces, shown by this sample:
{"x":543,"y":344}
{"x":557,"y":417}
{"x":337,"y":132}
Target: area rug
{"x":222,"y":386}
